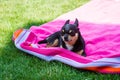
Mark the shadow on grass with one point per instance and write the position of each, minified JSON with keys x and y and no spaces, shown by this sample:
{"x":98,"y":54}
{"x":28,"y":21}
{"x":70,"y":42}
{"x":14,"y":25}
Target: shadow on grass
{"x":11,"y":57}
{"x":9,"y":48}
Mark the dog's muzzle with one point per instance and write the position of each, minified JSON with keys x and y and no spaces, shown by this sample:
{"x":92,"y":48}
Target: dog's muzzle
{"x":66,"y":38}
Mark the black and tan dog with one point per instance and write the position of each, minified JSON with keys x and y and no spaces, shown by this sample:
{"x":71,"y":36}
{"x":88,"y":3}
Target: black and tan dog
{"x":69,"y":37}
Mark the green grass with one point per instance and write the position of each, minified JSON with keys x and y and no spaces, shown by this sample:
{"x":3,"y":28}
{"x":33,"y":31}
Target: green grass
{"x":17,"y":65}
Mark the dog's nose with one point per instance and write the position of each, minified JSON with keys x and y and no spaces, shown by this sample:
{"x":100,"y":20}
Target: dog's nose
{"x":66,"y":38}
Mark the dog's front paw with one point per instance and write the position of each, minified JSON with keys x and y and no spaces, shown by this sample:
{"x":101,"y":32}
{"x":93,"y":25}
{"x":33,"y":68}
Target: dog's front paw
{"x":81,"y":52}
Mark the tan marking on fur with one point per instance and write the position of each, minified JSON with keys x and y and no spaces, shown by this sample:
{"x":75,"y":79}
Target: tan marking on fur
{"x":63,"y":31}
{"x":70,"y":31}
{"x":52,"y":45}
{"x":72,"y":39}
{"x":80,"y":52}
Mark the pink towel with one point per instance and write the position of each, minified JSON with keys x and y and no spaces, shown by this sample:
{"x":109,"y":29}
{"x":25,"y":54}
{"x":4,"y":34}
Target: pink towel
{"x":102,"y":43}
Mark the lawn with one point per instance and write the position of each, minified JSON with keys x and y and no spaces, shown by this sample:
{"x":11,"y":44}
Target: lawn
{"x":17,"y":65}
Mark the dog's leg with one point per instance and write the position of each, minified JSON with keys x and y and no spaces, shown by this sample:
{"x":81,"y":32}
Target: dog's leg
{"x":55,"y":43}
{"x":42,"y":41}
{"x":80,"y":52}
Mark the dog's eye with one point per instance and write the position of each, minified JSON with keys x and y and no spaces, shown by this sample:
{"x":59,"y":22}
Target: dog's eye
{"x":72,"y":33}
{"x":62,"y":32}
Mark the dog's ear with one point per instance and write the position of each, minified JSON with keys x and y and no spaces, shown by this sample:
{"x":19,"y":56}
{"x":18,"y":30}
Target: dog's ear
{"x":67,"y":22}
{"x":76,"y":22}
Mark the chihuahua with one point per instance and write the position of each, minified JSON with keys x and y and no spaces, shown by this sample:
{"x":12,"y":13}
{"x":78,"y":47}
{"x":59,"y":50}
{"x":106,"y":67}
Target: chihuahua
{"x":69,"y":37}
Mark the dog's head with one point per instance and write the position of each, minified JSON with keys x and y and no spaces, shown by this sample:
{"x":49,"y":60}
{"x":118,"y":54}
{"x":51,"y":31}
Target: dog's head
{"x":70,"y":32}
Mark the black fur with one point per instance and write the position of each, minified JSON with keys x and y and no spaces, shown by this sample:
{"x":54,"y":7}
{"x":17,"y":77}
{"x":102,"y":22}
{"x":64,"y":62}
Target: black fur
{"x":79,"y":44}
